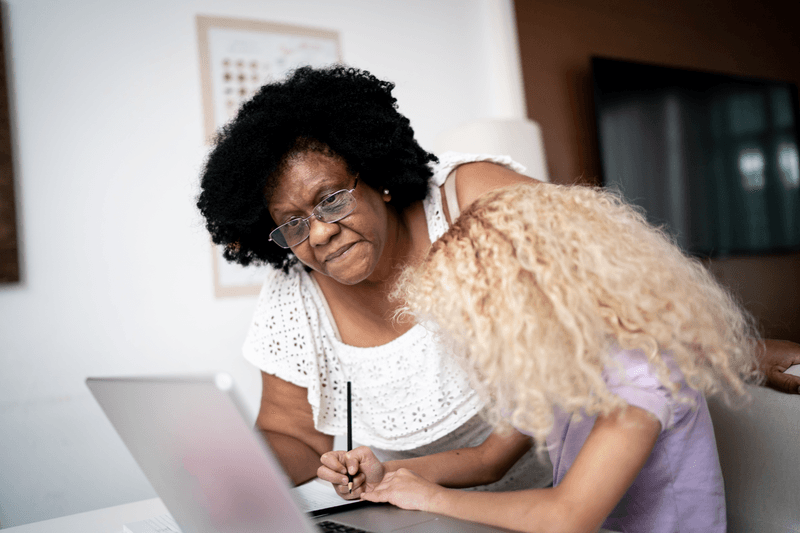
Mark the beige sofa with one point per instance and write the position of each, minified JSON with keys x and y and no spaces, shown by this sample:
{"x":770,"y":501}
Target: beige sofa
{"x":759,"y":450}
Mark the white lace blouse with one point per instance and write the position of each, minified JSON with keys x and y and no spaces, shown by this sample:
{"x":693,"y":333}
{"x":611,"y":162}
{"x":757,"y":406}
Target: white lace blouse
{"x":407,"y":394}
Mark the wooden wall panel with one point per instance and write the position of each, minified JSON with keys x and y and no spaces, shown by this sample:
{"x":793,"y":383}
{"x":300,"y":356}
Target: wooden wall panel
{"x":9,"y":253}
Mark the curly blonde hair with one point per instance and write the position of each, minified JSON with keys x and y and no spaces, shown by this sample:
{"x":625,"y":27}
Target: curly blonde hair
{"x":535,"y":284}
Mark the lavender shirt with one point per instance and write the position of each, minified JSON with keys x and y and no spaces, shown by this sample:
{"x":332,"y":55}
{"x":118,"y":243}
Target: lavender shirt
{"x":680,"y":488}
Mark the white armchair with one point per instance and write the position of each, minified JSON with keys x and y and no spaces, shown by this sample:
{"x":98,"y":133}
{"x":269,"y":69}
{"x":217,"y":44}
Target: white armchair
{"x":519,"y":138}
{"x":759,"y":451}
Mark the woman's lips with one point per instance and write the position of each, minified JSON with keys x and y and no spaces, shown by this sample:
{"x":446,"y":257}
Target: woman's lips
{"x":339,"y":253}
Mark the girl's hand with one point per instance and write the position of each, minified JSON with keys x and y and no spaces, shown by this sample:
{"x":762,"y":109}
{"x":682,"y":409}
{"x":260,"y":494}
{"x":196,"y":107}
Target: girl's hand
{"x":406,"y":490}
{"x":365,"y":468}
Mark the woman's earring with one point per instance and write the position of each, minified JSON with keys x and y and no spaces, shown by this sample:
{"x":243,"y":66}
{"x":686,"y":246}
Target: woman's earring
{"x":386,"y":192}
{"x":387,"y":196}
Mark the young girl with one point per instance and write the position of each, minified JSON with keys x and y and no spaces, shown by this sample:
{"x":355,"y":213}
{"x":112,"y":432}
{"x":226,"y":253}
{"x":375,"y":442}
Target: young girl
{"x":588,"y":329}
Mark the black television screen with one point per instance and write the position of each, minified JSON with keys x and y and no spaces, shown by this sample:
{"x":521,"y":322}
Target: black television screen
{"x":711,"y":157}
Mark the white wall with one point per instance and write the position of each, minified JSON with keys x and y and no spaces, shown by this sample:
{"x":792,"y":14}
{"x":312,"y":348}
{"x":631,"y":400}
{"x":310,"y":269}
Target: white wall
{"x":117,"y":279}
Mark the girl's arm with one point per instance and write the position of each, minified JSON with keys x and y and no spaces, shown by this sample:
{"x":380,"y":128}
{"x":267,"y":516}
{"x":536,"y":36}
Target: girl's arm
{"x":608,"y":463}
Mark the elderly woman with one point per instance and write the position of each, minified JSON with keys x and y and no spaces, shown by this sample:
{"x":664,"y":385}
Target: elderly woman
{"x":320,"y":176}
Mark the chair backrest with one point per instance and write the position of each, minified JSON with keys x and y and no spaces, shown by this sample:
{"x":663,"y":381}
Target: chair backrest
{"x":759,"y":451}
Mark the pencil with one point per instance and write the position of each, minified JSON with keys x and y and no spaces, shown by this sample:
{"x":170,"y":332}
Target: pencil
{"x":349,"y":433}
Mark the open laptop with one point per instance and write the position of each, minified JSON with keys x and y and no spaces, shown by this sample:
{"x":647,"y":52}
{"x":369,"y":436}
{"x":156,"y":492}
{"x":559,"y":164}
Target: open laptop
{"x":215,"y":474}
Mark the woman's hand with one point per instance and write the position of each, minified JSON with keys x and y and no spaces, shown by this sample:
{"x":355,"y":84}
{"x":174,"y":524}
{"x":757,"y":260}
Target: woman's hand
{"x":406,"y":490}
{"x":774,"y":359}
{"x":361,"y":463}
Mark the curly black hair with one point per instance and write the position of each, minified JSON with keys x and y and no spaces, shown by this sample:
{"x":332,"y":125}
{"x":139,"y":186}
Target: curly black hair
{"x":341,"y":111}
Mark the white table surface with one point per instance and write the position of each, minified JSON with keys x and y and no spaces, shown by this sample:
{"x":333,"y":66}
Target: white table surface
{"x":111,"y":519}
{"x":108,"y":520}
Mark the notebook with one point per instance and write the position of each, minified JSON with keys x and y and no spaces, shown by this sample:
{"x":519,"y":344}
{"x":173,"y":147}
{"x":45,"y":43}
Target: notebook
{"x":215,"y":474}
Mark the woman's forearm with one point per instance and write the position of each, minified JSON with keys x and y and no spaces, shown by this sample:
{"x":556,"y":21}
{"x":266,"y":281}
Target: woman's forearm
{"x":286,"y":421}
{"x":469,"y":467}
{"x":455,"y":468}
{"x":298,"y":459}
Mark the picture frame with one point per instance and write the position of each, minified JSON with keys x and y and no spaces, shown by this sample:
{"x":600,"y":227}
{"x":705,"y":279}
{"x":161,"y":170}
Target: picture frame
{"x":9,"y":252}
{"x":237,"y":57}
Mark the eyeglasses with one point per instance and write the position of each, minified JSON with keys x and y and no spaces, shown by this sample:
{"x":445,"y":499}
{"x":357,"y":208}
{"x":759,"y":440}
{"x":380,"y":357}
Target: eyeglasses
{"x":332,"y":208}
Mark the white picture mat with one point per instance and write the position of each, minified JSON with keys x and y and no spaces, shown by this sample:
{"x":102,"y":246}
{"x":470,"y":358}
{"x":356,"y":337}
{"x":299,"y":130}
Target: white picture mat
{"x":237,"y":57}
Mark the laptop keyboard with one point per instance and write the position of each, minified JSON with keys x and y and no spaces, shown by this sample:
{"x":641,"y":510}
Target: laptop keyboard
{"x":333,"y":527}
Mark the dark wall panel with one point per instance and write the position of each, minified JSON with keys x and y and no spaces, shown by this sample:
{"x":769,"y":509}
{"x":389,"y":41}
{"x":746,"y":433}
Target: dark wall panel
{"x":557,"y":39}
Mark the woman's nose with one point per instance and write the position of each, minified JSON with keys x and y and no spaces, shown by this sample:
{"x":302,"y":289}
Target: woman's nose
{"x":319,"y":233}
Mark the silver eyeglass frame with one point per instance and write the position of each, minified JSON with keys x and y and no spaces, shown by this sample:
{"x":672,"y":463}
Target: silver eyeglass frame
{"x":314,"y":215}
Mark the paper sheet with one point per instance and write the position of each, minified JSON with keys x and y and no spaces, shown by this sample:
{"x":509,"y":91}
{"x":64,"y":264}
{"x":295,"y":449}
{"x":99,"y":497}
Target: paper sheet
{"x":318,"y":494}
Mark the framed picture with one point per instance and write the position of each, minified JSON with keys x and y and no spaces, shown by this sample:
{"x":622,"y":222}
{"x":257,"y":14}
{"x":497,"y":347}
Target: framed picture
{"x":237,"y":57}
{"x":9,"y":256}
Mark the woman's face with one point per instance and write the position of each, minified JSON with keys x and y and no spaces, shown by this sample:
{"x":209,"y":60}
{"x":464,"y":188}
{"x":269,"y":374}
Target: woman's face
{"x":347,"y":251}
